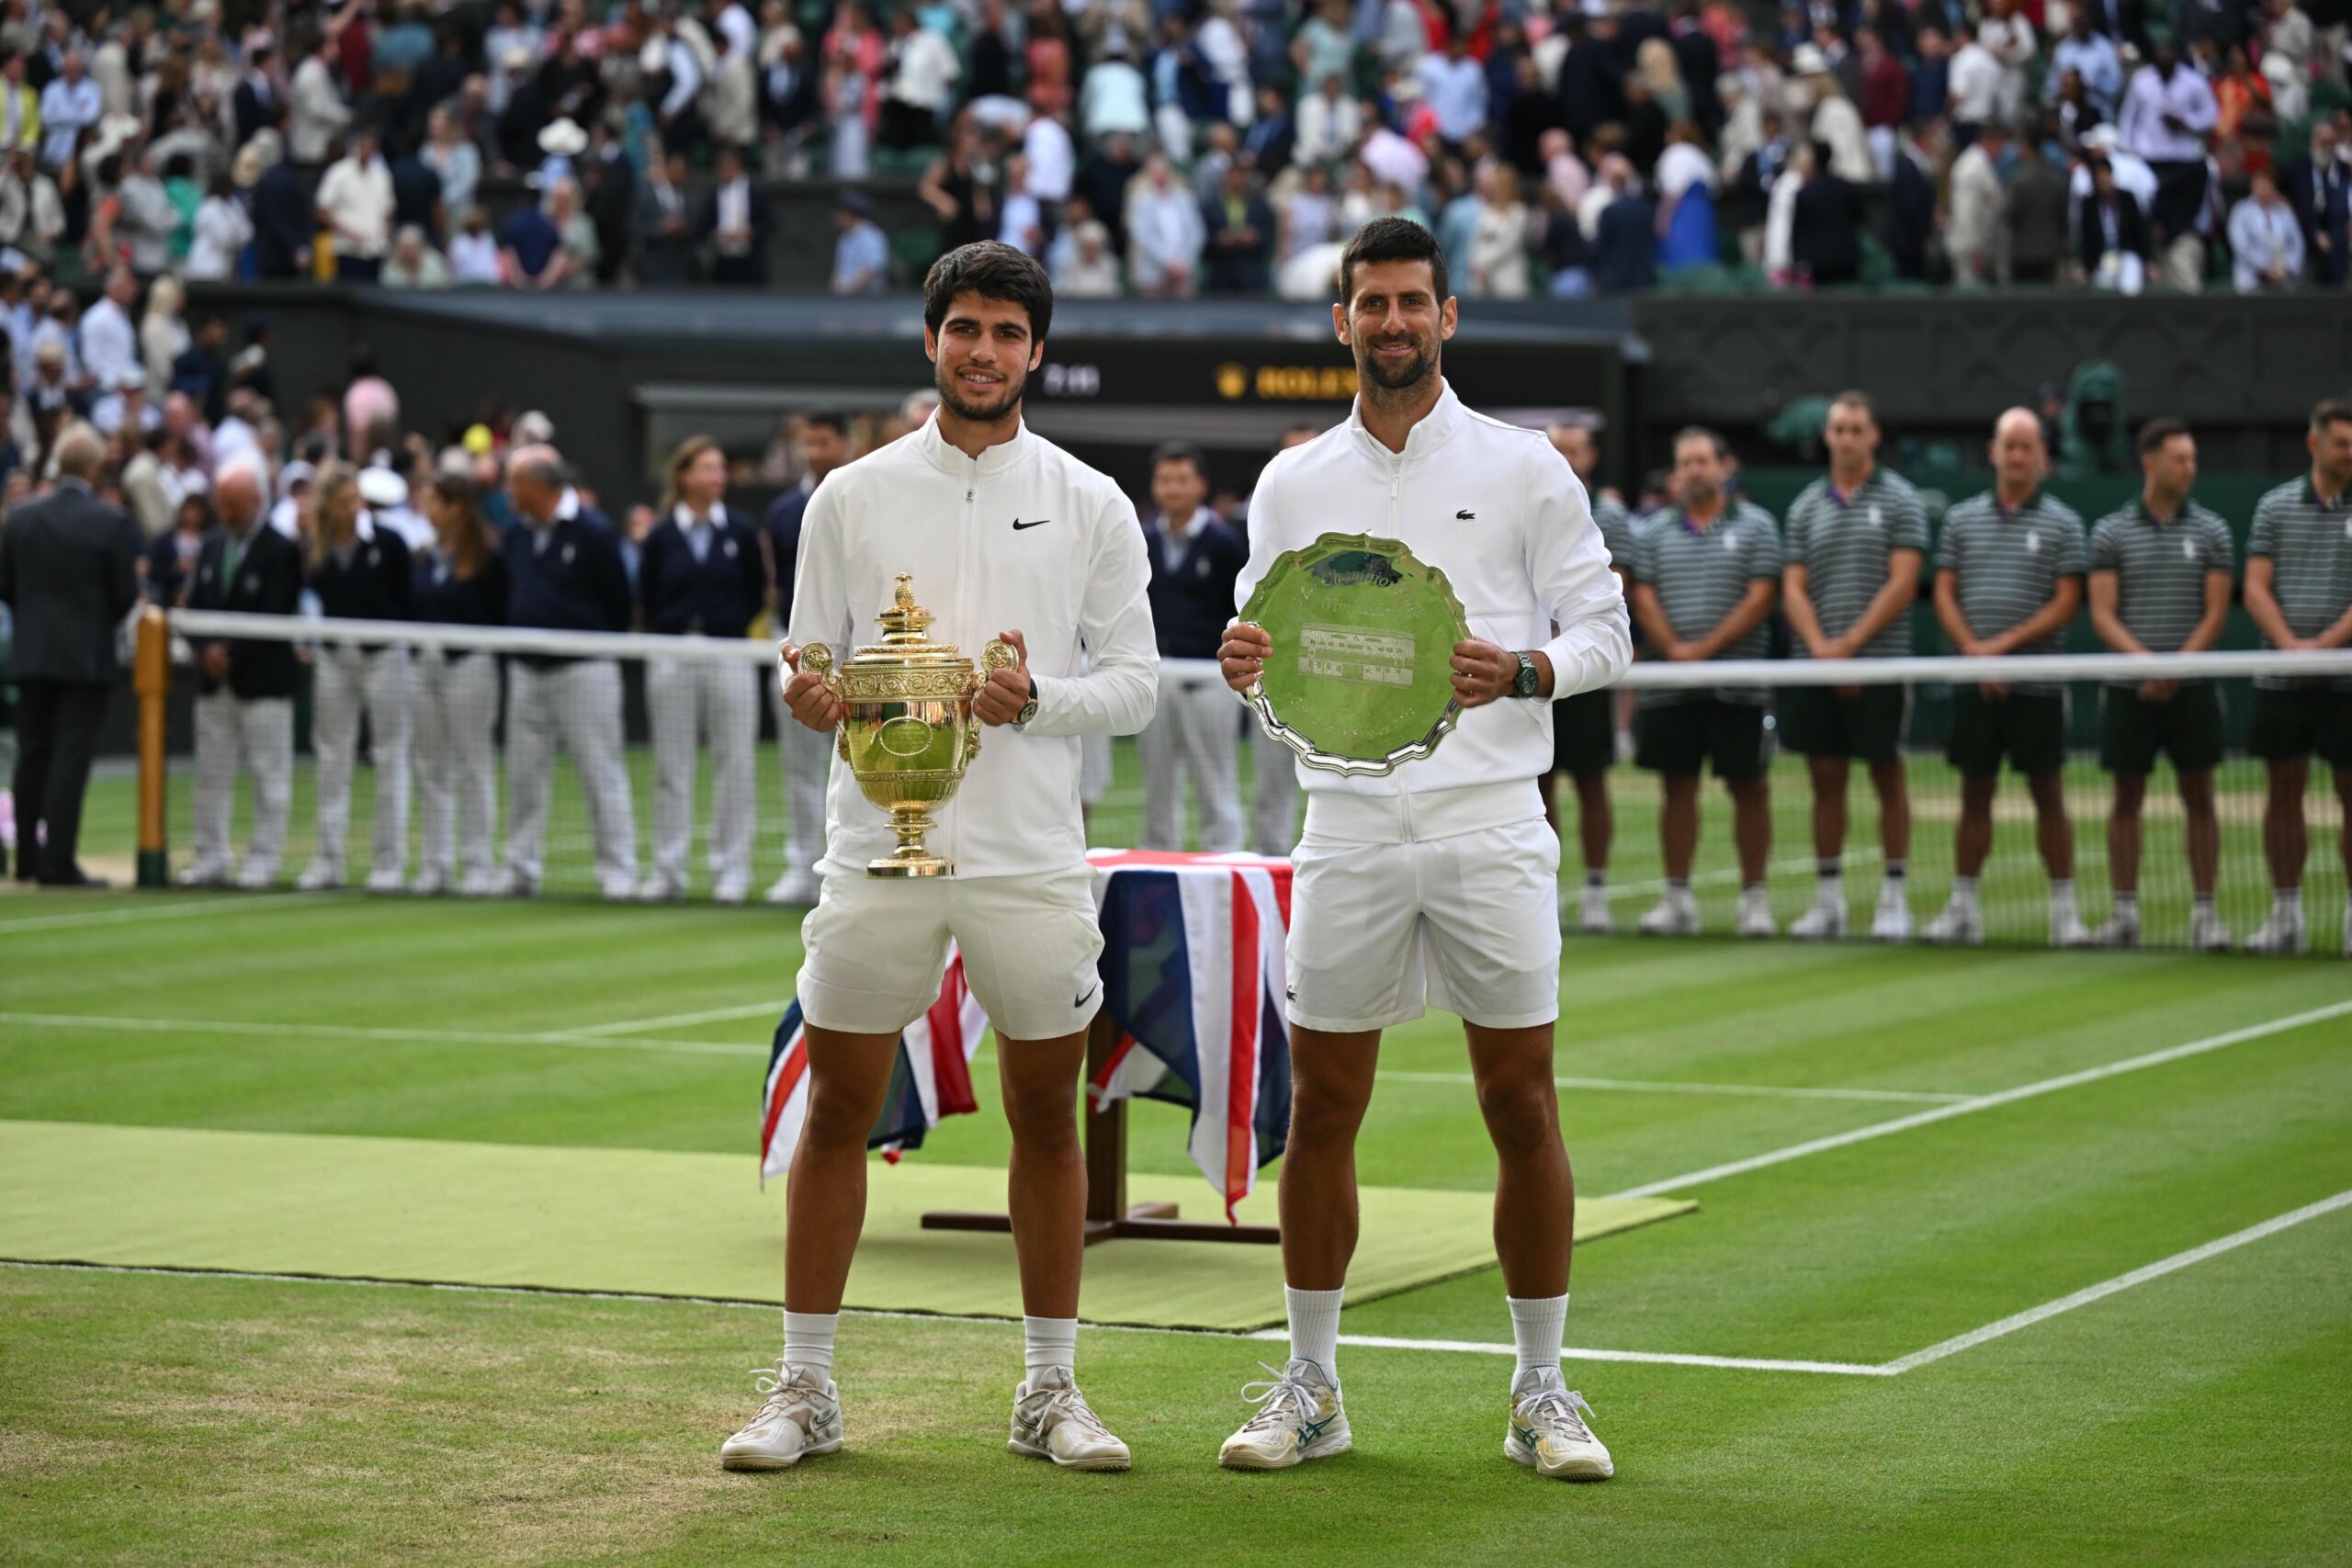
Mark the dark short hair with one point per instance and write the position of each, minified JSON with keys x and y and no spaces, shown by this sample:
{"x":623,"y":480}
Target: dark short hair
{"x":2156,"y":432}
{"x":1393,"y":239}
{"x":1180,"y":452}
{"x":993,"y":271}
{"x":1855,"y":398}
{"x":2333,"y":410}
{"x":826,"y":419}
{"x":1700,"y":433}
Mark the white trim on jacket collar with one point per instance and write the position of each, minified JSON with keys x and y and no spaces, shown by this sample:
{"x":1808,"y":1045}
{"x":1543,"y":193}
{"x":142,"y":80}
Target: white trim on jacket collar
{"x":992,"y":460}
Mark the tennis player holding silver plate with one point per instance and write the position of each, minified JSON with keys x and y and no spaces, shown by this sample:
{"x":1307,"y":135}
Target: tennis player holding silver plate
{"x":1427,"y":874}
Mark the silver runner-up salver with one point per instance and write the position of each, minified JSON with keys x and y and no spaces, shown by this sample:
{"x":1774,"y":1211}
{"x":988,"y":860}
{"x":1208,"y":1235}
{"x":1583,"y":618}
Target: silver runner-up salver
{"x":1361,"y":676}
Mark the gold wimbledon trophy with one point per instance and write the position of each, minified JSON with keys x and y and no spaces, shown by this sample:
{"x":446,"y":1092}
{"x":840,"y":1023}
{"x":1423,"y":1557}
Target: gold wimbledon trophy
{"x":907,"y":729}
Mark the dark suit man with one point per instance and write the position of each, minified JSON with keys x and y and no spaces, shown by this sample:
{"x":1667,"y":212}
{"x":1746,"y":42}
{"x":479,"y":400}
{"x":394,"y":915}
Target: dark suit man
{"x":735,"y":224}
{"x":2319,"y":187}
{"x":68,"y":573}
{"x":2109,"y":219}
{"x":284,"y":222}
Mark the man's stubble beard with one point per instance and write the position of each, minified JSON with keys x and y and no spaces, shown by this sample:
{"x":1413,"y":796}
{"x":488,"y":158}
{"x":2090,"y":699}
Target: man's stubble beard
{"x":952,"y":397}
{"x":1422,"y":366}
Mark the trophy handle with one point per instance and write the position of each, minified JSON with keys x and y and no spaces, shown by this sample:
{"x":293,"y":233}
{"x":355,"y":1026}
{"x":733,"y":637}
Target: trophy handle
{"x":998,"y":655}
{"x":817,"y":659}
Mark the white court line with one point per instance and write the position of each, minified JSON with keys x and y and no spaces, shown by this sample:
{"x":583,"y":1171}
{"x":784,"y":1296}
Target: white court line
{"x":2101,"y":1292}
{"x":1363,"y":1341}
{"x":356,"y":1032}
{"x":163,"y":911}
{"x":681,"y":1020}
{"x":1641,"y":1086}
{"x":1986,"y":1102}
{"x":1579,"y":1353}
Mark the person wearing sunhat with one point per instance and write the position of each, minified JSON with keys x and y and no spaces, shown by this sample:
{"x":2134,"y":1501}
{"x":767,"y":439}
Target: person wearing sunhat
{"x":563,"y":141}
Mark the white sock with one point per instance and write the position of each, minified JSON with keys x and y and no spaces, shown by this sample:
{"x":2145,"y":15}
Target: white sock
{"x":2290,"y":902}
{"x":2128,"y":904}
{"x":1964,"y":891}
{"x":1314,"y":1327}
{"x":2062,"y":893}
{"x":1538,"y":1325}
{"x":1049,"y":1342}
{"x":808,"y":1341}
{"x":2204,"y":901}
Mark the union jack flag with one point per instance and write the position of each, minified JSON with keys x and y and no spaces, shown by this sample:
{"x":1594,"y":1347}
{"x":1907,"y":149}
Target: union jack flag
{"x":933,"y":1078}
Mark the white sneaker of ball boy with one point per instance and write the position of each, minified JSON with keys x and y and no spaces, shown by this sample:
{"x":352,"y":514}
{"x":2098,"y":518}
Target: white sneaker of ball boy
{"x":1434,"y":885}
{"x":1005,"y":535}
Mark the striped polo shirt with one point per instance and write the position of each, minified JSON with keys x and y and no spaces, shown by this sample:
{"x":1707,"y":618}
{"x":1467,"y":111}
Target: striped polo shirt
{"x":1699,"y":575}
{"x":2308,"y":542}
{"x":1845,"y":543}
{"x":2160,"y":566}
{"x":1616,"y":525}
{"x":2009,"y":563}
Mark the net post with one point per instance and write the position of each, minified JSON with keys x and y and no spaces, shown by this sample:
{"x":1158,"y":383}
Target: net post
{"x":151,"y":678}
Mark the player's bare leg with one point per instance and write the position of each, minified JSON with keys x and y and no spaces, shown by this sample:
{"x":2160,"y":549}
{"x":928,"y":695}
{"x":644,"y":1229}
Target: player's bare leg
{"x":1893,"y":921}
{"x":2053,"y":836}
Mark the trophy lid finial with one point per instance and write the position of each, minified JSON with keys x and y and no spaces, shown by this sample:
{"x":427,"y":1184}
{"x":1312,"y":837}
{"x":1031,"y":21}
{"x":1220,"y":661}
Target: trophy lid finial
{"x":905,"y":621}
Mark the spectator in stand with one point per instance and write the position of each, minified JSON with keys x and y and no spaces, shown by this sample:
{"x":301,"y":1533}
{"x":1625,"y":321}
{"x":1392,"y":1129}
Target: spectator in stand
{"x":1164,"y":233}
{"x":2168,"y":111}
{"x":1825,"y":225}
{"x":961,"y":187}
{"x":922,"y":69}
{"x":1885,"y":95}
{"x":1498,"y":265}
{"x":1455,"y":88}
{"x":316,"y":114}
{"x":1329,"y":122}
{"x":2093,"y":57}
{"x":1083,"y":266}
{"x":414,"y":262}
{"x":71,"y":106}
{"x":2319,"y":187}
{"x":1973,"y":232}
{"x":2008,"y":37}
{"x":736,"y":224}
{"x":1911,"y":214}
{"x":1686,"y":188}
{"x":1837,"y":124}
{"x":461,"y":583}
{"x":355,"y":206}
{"x":1240,"y":236}
{"x":662,"y":222}
{"x":475,"y":254}
{"x":2266,"y":241}
{"x":109,"y":343}
{"x":1975,"y":88}
{"x":2034,"y":219}
{"x":861,"y":253}
{"x":222,"y":232}
{"x":1624,"y":243}
{"x":1931,"y":76}
{"x":1114,"y":100}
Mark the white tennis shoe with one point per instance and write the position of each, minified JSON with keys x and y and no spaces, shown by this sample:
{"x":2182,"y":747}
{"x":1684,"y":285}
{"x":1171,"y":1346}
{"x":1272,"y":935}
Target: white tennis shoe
{"x":1052,"y":1420}
{"x":1593,"y":917}
{"x":1548,"y":1433}
{"x":801,"y":1416}
{"x":1893,"y":921}
{"x":1676,"y":915}
{"x":1299,"y":1418}
{"x":2283,"y":933}
{"x":1962,"y":924}
{"x":1755,"y":915}
{"x":1824,"y":921}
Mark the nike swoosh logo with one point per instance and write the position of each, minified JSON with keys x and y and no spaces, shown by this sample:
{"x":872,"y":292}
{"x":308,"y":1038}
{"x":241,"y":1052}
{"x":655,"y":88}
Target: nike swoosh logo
{"x":1084,"y":995}
{"x":1018,"y":526}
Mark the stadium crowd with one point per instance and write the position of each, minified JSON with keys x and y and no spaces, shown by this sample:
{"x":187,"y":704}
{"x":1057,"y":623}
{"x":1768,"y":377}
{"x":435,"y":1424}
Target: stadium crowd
{"x":339,"y":508}
{"x":1186,"y":146}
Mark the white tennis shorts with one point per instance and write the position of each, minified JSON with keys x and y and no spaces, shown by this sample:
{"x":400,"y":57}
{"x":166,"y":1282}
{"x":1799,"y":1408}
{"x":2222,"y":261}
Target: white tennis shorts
{"x":1468,"y":924}
{"x":876,"y":948}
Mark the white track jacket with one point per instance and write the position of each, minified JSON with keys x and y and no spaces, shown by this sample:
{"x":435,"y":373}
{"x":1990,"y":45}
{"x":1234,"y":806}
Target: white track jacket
{"x":1026,"y":538}
{"x":1499,"y":511}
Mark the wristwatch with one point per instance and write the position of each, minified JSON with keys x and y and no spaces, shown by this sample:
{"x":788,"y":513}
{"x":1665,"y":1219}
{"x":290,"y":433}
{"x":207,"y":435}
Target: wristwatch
{"x":1029,"y":709}
{"x":1529,"y":681}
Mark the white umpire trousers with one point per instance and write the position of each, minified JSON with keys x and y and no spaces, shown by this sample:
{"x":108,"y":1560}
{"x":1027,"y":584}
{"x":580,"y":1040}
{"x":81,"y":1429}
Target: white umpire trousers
{"x":456,"y":764}
{"x":717,"y":704}
{"x":1273,"y":810}
{"x":345,"y":683}
{"x":255,"y":736}
{"x":807,"y":756}
{"x":577,"y":705}
{"x":1191,"y":735}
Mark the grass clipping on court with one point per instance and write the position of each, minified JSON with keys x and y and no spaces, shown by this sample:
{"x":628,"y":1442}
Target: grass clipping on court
{"x":656,"y":1223}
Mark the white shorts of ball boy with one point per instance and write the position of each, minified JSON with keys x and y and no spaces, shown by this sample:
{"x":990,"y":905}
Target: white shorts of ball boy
{"x":1383,"y":930}
{"x":877,"y":946}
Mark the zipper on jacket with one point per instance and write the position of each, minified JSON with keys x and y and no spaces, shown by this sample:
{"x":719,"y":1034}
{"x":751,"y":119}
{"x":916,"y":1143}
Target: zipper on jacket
{"x":967,"y":570}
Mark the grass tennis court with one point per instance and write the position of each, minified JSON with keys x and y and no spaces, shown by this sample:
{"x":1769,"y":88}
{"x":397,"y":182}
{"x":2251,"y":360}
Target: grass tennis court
{"x":1897,"y":1154}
